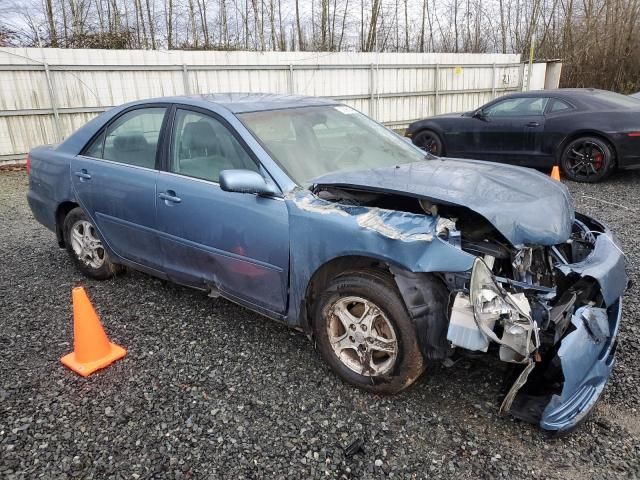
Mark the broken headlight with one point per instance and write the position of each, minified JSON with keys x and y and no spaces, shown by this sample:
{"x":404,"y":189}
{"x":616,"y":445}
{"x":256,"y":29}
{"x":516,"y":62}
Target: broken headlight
{"x":493,"y":305}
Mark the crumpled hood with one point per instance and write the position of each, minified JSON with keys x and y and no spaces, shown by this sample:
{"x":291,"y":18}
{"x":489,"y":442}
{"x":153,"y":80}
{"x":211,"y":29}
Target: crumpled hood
{"x":526,"y":206}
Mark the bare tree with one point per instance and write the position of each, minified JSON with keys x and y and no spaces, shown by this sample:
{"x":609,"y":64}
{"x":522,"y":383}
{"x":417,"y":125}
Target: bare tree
{"x":151,"y":27}
{"x":597,"y":40}
{"x":299,"y":27}
{"x":51,"y":22}
{"x":372,"y":32}
{"x":168,"y":20}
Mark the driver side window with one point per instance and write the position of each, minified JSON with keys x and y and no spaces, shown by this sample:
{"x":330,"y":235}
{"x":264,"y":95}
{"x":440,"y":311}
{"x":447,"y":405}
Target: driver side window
{"x":517,"y":107}
{"x":203,"y":147}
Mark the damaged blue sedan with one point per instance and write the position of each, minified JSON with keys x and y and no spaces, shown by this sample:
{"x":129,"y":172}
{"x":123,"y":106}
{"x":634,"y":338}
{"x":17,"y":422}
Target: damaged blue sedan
{"x":308,"y":212}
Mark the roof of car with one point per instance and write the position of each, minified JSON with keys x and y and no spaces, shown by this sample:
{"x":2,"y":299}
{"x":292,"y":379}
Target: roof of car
{"x":568,"y":93}
{"x":255,"y":102}
{"x":559,"y":92}
{"x":584,"y":98}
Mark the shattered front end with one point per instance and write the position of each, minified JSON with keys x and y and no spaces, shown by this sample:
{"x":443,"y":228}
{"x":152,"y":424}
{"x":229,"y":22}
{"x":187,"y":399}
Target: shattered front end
{"x":553,"y":312}
{"x":529,"y":279}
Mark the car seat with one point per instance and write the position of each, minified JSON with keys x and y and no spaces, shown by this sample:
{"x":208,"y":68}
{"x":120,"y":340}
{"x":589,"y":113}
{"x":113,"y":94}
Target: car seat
{"x":132,"y":150}
{"x":201,"y":153}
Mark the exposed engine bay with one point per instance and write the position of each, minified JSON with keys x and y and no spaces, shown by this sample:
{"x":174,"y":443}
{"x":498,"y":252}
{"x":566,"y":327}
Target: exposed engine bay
{"x":519,"y":302}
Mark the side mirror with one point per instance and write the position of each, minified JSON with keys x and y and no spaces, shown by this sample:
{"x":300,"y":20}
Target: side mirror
{"x":479,"y":114}
{"x":245,"y":181}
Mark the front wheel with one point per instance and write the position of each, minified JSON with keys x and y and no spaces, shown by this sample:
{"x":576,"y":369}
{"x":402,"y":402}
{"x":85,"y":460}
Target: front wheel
{"x":587,"y":159}
{"x":85,"y":247}
{"x":364,"y":333}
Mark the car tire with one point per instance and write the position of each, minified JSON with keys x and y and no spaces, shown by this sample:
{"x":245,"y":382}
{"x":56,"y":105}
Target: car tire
{"x":587,"y":159}
{"x":430,"y":142}
{"x":85,"y":247}
{"x":391,"y":329}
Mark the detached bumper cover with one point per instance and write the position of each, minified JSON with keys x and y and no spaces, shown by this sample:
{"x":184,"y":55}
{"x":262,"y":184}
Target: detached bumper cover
{"x":562,"y":389}
{"x":587,"y":353}
{"x":606,"y":265}
{"x":587,"y":356}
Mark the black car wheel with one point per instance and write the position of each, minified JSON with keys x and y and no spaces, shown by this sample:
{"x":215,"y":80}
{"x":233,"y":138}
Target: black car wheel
{"x":429,"y":141}
{"x":365,"y":334}
{"x":587,"y":159}
{"x":85,"y":247}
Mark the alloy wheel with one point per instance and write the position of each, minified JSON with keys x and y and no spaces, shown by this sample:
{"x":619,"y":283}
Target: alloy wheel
{"x":428,"y":143}
{"x":362,"y":336}
{"x":585,"y":159}
{"x":86,"y":244}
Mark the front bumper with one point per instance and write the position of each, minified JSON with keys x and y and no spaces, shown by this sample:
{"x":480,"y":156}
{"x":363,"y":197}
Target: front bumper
{"x":576,"y":375}
{"x":587,"y":360}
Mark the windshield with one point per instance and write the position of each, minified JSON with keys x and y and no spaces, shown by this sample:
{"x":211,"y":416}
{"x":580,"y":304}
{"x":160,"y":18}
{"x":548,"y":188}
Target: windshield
{"x":309,"y":142}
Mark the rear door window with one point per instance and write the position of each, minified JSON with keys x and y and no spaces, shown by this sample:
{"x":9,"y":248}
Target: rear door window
{"x":131,"y":139}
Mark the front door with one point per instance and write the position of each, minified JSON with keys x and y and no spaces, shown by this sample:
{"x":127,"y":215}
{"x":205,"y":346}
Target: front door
{"x":511,"y":131}
{"x":115,"y":183}
{"x":232,"y":242}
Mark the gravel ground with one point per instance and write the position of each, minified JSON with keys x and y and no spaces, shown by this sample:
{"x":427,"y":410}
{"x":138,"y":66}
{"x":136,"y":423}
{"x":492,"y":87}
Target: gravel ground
{"x":209,"y":389}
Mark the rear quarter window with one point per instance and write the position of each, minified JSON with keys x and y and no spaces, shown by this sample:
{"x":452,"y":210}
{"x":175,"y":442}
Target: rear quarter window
{"x":557,"y":106}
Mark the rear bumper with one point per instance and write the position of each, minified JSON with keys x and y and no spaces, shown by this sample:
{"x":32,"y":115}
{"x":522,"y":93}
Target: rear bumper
{"x":628,"y":151}
{"x":587,"y":360}
{"x":629,"y":163}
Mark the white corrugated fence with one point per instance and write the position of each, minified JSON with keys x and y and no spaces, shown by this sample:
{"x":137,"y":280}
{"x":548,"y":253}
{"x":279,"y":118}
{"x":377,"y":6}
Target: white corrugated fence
{"x":45,"y":94}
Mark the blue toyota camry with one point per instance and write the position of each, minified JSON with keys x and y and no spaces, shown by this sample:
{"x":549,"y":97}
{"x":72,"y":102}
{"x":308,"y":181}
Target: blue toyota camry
{"x":308,"y":212}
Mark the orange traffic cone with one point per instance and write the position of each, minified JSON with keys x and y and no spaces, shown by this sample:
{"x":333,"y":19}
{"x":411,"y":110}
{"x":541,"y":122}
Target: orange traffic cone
{"x":555,"y":173}
{"x":92,"y":349}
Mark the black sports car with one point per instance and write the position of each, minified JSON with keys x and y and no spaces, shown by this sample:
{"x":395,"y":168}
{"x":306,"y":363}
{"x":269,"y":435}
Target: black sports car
{"x":588,"y":132}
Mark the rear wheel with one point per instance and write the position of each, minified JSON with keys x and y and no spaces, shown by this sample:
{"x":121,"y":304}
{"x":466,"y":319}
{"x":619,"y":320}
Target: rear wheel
{"x":430,"y":142}
{"x":85,"y":247}
{"x":587,"y":159}
{"x":364,"y":332}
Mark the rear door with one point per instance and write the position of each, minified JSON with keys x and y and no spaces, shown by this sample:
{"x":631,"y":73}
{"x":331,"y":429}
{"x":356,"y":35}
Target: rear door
{"x":233,"y":242}
{"x":511,"y":131}
{"x":115,"y":183}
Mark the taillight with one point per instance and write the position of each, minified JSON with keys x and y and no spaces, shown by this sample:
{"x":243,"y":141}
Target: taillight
{"x":28,"y":164}
{"x":633,"y":134}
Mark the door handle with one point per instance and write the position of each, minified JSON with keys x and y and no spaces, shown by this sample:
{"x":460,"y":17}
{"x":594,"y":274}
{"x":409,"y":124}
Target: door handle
{"x":533,"y":124}
{"x":82,"y":175}
{"x":170,"y":196}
